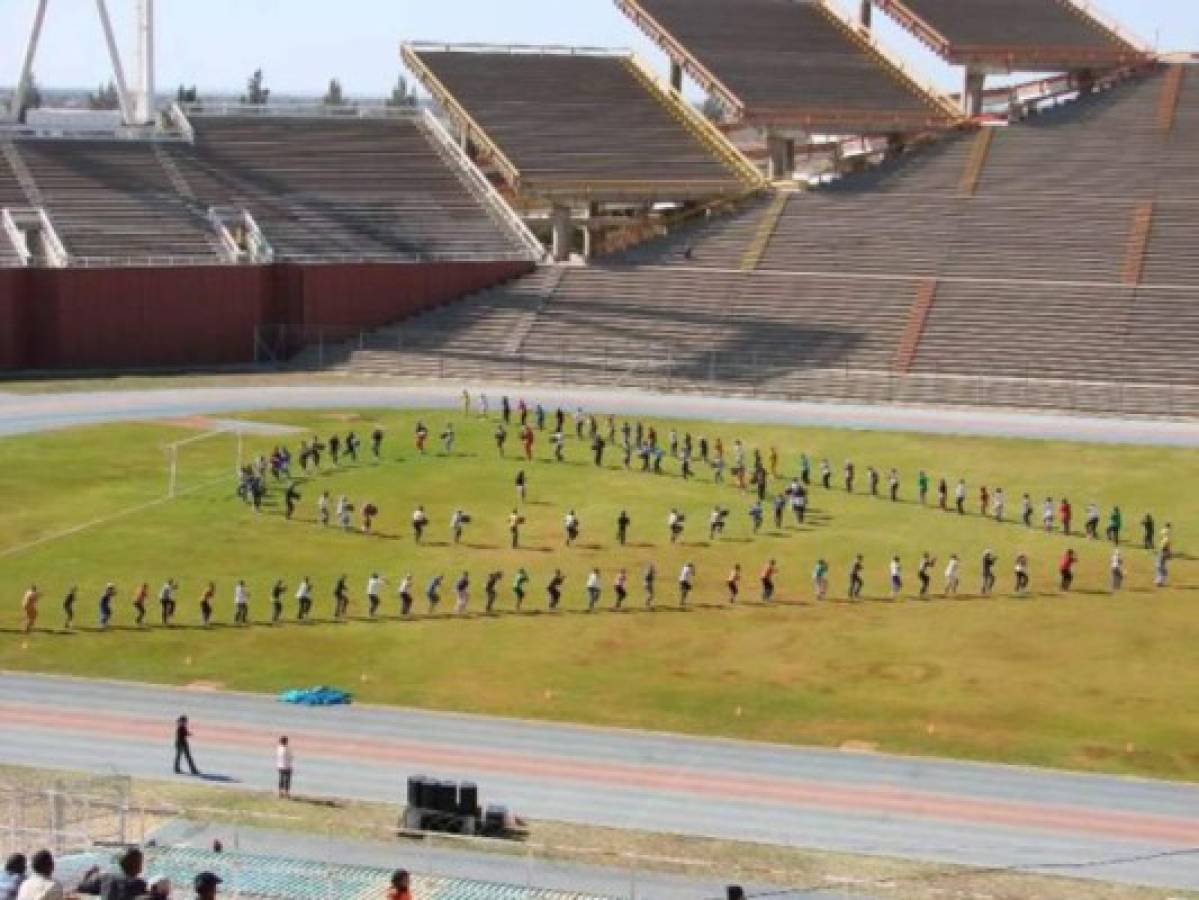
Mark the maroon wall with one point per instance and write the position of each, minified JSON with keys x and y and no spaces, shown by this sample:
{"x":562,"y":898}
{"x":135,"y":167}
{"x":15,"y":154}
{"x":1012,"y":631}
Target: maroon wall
{"x":207,"y":315}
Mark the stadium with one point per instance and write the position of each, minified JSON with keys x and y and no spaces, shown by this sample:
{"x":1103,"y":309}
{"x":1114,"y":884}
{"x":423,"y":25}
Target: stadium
{"x":738,"y":466}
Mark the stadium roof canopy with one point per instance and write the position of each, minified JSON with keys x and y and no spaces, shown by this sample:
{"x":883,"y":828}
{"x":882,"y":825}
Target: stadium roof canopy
{"x":571,"y":124}
{"x":1018,"y":35}
{"x":791,"y":63}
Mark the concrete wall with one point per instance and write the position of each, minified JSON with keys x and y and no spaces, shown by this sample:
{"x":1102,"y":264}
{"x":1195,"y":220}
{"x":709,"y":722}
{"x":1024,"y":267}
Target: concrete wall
{"x":145,"y":318}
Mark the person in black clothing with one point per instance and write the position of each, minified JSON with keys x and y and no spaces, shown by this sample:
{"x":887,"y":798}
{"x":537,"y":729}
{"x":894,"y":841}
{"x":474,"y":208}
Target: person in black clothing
{"x":335,"y":448}
{"x":126,"y":884}
{"x":506,"y":410}
{"x":490,"y":589}
{"x":597,"y":449}
{"x":183,"y":750}
{"x":376,"y":443}
{"x":1150,"y":527}
{"x":341,"y":597}
{"x":622,"y":526}
{"x":291,"y":498}
{"x":277,"y":601}
{"x":352,"y":445}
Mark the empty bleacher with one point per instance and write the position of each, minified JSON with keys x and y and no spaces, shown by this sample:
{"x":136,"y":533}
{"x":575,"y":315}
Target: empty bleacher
{"x":790,"y":60}
{"x":341,"y":188}
{"x":111,"y":202}
{"x":1022,"y":34}
{"x":577,"y":123}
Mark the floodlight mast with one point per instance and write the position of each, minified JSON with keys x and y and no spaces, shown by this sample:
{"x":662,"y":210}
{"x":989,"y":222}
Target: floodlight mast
{"x":135,"y":110}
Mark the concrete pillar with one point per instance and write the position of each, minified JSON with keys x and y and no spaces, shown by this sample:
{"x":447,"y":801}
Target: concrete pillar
{"x":866,"y":13}
{"x":676,"y":76}
{"x":781,"y":151}
{"x":972,"y":92}
{"x":560,"y":221}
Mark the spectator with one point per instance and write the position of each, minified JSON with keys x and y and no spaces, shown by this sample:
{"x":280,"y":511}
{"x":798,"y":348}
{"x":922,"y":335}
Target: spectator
{"x":160,"y":888}
{"x":12,"y":876}
{"x":41,"y":884}
{"x":125,"y":884}
{"x":399,"y":889}
{"x":284,"y":762}
{"x":206,"y":885}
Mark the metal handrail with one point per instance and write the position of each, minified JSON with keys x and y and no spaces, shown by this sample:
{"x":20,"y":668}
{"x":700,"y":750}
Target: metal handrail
{"x":57,"y":253}
{"x":178,"y":116}
{"x":309,"y":109}
{"x":478,"y":184}
{"x":516,"y":49}
{"x":15,"y":235}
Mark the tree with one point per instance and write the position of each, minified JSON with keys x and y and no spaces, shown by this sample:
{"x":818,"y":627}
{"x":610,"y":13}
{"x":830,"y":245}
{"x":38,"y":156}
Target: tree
{"x":402,"y":95}
{"x":256,"y":94}
{"x":713,"y":110}
{"x":334,"y":96}
{"x":187,"y":94}
{"x":106,"y":97}
{"x":33,"y":98}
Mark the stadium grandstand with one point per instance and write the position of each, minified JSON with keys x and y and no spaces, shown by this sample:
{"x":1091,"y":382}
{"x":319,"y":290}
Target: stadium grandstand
{"x":1031,"y":244}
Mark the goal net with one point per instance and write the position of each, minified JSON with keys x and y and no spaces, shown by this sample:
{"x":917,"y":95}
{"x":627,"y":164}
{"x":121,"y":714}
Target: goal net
{"x":205,"y":460}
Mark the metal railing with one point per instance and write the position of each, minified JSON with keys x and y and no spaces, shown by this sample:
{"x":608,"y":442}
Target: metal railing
{"x":482,"y":189}
{"x":15,"y":236}
{"x":376,"y":109}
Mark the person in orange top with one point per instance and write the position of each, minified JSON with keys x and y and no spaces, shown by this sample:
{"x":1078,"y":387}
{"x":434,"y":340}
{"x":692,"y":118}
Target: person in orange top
{"x":526,"y":438}
{"x":734,"y":583}
{"x":768,"y":574}
{"x":399,"y":889}
{"x":139,"y":602}
{"x":29,"y":605}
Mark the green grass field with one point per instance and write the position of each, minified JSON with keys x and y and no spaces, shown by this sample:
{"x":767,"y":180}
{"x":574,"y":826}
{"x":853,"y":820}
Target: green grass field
{"x":1085,"y":680}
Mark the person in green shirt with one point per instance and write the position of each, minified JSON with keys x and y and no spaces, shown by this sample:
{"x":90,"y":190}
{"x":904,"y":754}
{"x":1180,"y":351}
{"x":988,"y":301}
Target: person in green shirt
{"x":519,"y":582}
{"x":922,"y":484}
{"x":1115,"y":521}
{"x":820,"y":579}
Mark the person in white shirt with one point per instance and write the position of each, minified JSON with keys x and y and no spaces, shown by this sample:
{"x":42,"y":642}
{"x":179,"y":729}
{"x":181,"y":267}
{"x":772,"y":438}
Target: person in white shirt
{"x":674,"y":522}
{"x":241,"y":603}
{"x":457,"y":522}
{"x":571,"y":526}
{"x":686,"y":577}
{"x":283,"y":765}
{"x":896,"y":573}
{"x":374,"y":587}
{"x":322,"y":508}
{"x":959,"y":496}
{"x":304,"y":599}
{"x":998,"y":503}
{"x":1117,"y":568}
{"x":1047,"y":514}
{"x":405,"y":592}
{"x":593,"y":589}
{"x":40,"y":885}
{"x":951,"y":576}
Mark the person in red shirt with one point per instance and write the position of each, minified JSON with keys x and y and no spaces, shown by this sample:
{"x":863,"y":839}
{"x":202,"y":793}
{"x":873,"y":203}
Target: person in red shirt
{"x":768,"y":574}
{"x":1066,"y":569}
{"x":984,"y":499}
{"x":139,"y":602}
{"x":1065,"y":512}
{"x":526,"y":438}
{"x":734,"y":583}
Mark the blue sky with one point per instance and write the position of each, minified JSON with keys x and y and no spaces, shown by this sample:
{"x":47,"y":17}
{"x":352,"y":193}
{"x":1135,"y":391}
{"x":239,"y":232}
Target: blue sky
{"x":301,"y":44}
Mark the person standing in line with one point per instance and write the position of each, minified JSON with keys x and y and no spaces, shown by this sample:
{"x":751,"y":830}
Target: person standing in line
{"x":553,"y":589}
{"x":943,"y":495}
{"x":686,"y":577}
{"x":998,"y":504}
{"x":733,"y":582}
{"x":110,"y":591}
{"x":290,"y":499}
{"x":1115,"y":522}
{"x":620,"y":586}
{"x":922,"y":482}
{"x":778,"y":507}
{"x":322,"y":508}
{"x":345,"y":510}
{"x":374,"y":590}
{"x":622,"y":527}
{"x":826,"y":474}
{"x":183,"y":749}
{"x":1065,"y":513}
{"x":896,"y":573}
{"x":419,"y":521}
{"x":1066,"y":569}
{"x":515,"y":520}
{"x":952,"y":579}
{"x":893,"y":485}
{"x":674,"y":524}
{"x":277,"y":592}
{"x":959,"y":496}
{"x":593,"y":590}
{"x":1026,"y":510}
{"x":207,"y":598}
{"x":527,"y":439}
{"x":341,"y":598}
{"x":1117,"y":570}
{"x":848,"y":477}
{"x":522,"y":485}
{"x":767,"y":577}
{"x":29,"y":607}
{"x":855,"y":578}
{"x":405,"y":593}
{"x":462,"y":594}
{"x":1047,"y":514}
{"x":458,"y":522}
{"x":139,"y":604}
{"x":491,"y":589}
{"x":924,"y":573}
{"x":1150,"y":529}
{"x":166,"y":601}
{"x":303,"y":599}
{"x":984,"y":501}
{"x":570,"y":527}
{"x":377,"y":443}
{"x":1091,"y":523}
{"x":520,"y":583}
{"x":648,"y":576}
{"x":432,"y":592}
{"x":447,"y":439}
{"x":465,"y":403}
{"x":988,"y":566}
{"x":805,"y":470}
{"x":284,"y":766}
{"x":1021,"y":571}
{"x":820,"y":579}
{"x":872,"y":480}
{"x":241,"y":604}
{"x":68,"y":609}
{"x":1161,"y":566}
{"x":756,"y":514}
{"x":506,"y":410}
{"x":422,"y":437}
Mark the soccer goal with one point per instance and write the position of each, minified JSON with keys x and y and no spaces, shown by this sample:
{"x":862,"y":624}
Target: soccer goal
{"x":204,"y":460}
